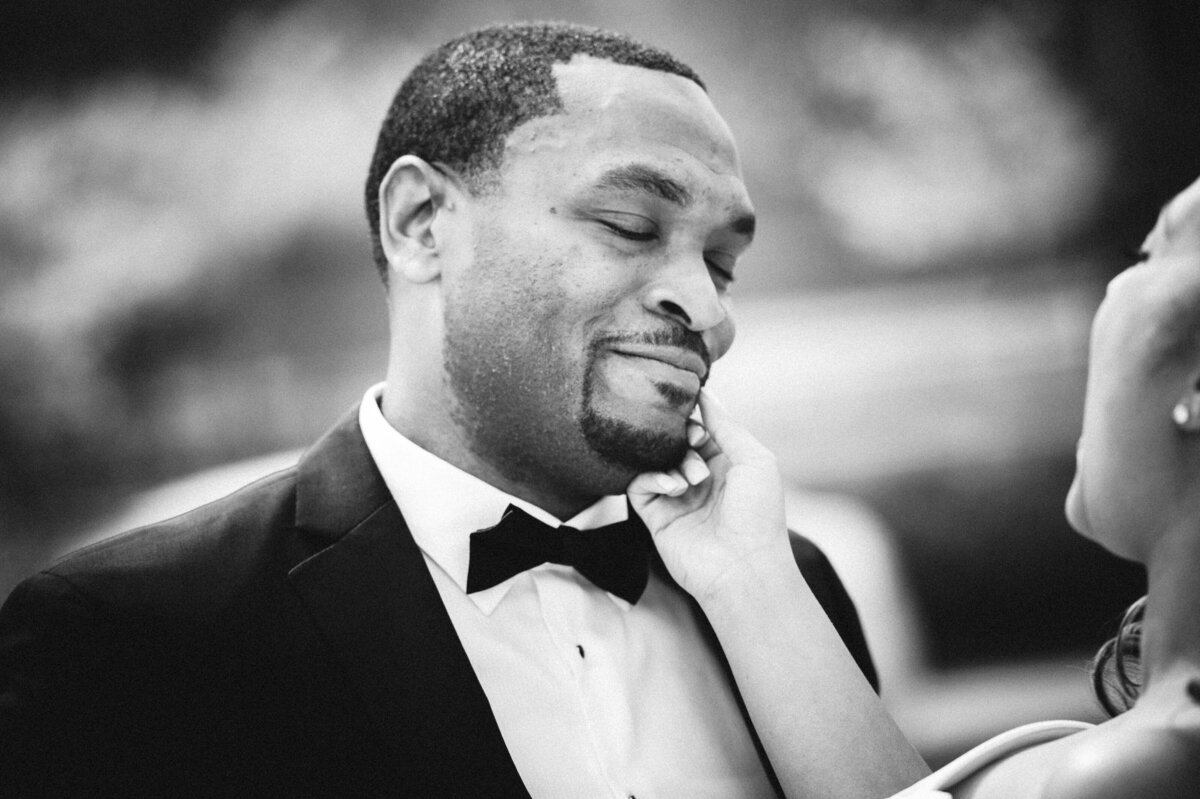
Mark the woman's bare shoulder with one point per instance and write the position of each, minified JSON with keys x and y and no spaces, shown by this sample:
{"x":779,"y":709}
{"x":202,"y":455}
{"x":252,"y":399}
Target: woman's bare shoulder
{"x":1160,"y":759}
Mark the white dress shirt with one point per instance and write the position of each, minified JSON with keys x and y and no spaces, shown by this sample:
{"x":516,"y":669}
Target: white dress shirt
{"x":594,"y":697}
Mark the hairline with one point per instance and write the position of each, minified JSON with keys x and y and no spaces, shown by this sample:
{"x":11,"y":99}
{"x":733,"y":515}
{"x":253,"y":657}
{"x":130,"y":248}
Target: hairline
{"x":480,"y":169}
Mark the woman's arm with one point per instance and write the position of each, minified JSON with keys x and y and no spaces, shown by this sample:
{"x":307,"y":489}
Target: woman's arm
{"x":823,"y":727}
{"x":718,"y":523}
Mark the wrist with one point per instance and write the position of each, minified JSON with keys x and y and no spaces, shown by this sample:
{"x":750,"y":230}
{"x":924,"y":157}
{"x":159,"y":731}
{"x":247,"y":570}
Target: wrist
{"x":754,"y":579}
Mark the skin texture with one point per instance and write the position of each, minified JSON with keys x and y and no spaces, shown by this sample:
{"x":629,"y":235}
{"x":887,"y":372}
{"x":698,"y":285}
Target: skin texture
{"x":577,"y":304}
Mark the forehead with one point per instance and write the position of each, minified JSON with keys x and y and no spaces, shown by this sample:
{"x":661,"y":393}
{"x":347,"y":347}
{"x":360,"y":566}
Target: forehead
{"x":616,"y":113}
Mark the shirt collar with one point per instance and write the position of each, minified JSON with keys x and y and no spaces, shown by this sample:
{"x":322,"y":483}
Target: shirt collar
{"x":443,"y":505}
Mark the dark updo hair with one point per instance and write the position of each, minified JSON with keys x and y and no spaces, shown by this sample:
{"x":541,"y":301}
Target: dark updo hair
{"x":459,"y":104}
{"x":1116,"y":671}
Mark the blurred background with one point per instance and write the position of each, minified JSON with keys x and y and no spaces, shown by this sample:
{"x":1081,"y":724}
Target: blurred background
{"x":944,"y":189}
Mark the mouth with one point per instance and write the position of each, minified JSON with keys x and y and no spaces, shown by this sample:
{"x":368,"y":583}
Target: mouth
{"x":678,"y":358}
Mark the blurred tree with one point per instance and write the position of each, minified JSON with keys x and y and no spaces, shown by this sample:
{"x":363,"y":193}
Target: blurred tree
{"x":53,"y":45}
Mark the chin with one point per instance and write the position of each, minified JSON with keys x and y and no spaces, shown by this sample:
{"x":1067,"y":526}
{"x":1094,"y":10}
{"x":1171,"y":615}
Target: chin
{"x":1075,"y":512}
{"x":1076,"y":507}
{"x":633,"y":447}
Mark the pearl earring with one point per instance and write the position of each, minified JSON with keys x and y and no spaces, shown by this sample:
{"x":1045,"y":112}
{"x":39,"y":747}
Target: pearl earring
{"x":1186,"y":413}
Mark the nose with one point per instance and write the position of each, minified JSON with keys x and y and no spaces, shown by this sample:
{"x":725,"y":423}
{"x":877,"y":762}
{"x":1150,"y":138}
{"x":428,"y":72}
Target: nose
{"x":686,"y":294}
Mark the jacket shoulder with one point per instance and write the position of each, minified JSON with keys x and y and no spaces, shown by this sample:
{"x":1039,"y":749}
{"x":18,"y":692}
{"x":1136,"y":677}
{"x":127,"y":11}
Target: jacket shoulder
{"x":827,"y":587}
{"x":197,"y":558}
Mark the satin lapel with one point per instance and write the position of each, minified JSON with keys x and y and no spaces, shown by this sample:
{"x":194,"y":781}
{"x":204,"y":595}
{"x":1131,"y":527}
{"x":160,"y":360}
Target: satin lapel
{"x":370,"y":594}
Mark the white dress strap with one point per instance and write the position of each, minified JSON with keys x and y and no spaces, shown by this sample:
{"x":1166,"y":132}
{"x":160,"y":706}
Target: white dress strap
{"x":986,"y":753}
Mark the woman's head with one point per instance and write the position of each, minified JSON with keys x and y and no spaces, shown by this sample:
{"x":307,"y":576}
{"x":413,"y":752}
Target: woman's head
{"x":1138,"y":466}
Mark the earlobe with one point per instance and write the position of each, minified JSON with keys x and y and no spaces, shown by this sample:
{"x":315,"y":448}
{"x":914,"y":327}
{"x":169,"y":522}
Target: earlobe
{"x":411,"y":196}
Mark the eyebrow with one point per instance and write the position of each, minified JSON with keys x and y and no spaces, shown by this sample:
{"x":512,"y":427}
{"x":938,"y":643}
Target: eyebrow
{"x":636,"y":177}
{"x":641,"y":178}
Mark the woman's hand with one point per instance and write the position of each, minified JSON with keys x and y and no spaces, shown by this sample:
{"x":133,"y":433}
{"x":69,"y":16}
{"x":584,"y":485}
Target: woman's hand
{"x":718,"y":517}
{"x":718,"y":523}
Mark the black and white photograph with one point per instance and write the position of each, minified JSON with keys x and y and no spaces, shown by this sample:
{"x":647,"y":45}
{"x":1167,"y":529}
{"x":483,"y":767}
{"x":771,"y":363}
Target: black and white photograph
{"x":600,"y":399}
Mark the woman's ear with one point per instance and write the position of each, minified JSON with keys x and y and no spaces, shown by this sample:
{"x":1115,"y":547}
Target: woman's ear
{"x":411,"y":195}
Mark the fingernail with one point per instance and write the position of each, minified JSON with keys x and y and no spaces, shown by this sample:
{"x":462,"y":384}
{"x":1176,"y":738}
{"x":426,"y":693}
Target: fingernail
{"x":668,"y":484}
{"x":696,"y":470}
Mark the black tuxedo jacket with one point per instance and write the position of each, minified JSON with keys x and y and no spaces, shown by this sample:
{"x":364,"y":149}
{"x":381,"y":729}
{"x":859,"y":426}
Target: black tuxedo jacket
{"x":287,"y":640}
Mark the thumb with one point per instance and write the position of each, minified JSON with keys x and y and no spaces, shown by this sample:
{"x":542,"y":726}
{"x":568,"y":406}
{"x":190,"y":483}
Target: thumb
{"x":648,"y":486}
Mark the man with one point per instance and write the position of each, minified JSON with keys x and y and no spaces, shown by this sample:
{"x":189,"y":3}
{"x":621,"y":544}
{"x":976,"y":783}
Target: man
{"x":556,"y":213}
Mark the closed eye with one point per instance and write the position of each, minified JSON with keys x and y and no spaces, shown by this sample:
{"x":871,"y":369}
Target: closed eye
{"x":723,"y":272}
{"x":629,"y":233}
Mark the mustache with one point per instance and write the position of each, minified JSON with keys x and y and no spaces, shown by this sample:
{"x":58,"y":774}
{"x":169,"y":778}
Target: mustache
{"x":673,"y":336}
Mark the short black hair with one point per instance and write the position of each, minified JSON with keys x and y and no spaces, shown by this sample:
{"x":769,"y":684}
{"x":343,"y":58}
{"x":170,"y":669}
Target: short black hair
{"x":459,"y":104}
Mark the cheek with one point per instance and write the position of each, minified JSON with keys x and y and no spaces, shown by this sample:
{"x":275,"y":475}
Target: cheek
{"x":723,"y":334}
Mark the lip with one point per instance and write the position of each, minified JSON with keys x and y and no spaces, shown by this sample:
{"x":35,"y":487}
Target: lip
{"x":677,"y":357}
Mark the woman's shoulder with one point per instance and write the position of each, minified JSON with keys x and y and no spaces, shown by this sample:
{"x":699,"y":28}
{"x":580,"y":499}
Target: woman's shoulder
{"x":1134,"y":756}
{"x":1158,"y":758}
{"x":999,"y":766}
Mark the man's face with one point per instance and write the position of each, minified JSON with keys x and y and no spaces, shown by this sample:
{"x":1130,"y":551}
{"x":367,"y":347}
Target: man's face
{"x":579,"y":335}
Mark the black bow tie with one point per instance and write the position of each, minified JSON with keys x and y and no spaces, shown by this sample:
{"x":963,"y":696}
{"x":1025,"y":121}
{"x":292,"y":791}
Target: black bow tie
{"x":614,"y":557}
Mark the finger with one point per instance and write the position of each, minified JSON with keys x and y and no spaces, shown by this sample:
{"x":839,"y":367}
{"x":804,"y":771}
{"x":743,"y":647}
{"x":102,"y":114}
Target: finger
{"x":648,"y":485}
{"x":674,"y":483}
{"x":1178,"y":226}
{"x":701,"y":441}
{"x":693,"y":468}
{"x":733,"y":439}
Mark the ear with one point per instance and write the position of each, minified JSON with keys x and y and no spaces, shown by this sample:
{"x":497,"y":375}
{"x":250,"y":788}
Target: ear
{"x":411,"y":196}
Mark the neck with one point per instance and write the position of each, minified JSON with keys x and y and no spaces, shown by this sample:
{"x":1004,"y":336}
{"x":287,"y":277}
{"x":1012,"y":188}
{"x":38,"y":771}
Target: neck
{"x":1170,"y":635}
{"x":423,"y":418}
{"x":418,"y":402}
